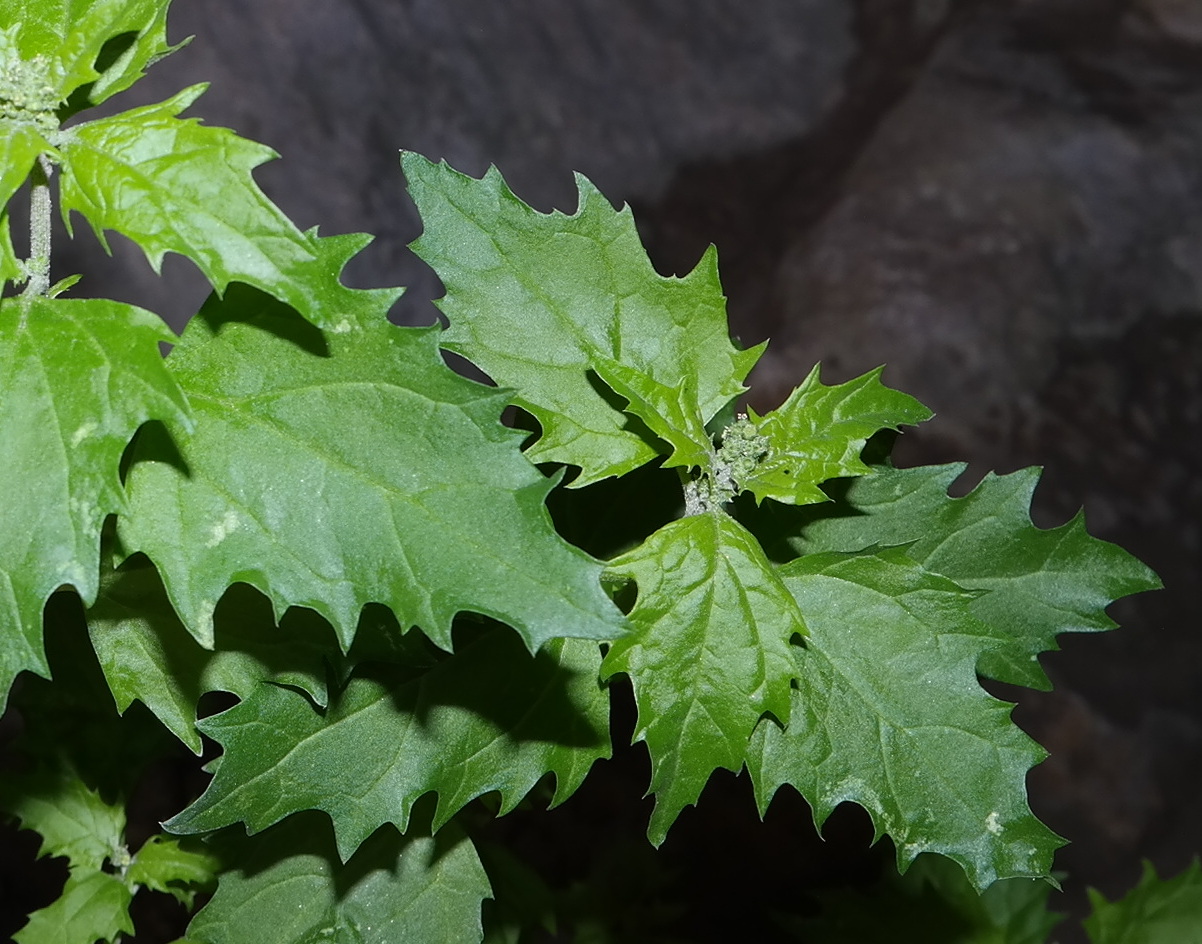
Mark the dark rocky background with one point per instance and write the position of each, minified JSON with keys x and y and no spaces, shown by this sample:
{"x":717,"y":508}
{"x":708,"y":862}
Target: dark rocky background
{"x":1001,"y":200}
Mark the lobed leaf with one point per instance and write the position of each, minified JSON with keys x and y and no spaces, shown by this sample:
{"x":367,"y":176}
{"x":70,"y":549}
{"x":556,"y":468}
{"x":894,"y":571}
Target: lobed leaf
{"x":490,"y":718}
{"x":1040,"y":582}
{"x":538,"y":301}
{"x":105,"y":45}
{"x":819,"y":432}
{"x":330,"y":471}
{"x":710,"y":653}
{"x":290,"y":889}
{"x":77,"y":378}
{"x":94,"y":906}
{"x":175,"y":185}
{"x":163,"y":865}
{"x":888,"y":713}
{"x":1157,"y":911}
{"x":71,"y":818}
{"x":147,"y":655}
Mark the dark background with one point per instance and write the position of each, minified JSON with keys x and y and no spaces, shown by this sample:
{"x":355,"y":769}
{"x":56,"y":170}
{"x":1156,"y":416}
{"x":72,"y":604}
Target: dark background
{"x":1001,"y":200}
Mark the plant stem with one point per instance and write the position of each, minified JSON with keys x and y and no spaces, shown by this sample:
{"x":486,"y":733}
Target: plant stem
{"x":38,"y":266}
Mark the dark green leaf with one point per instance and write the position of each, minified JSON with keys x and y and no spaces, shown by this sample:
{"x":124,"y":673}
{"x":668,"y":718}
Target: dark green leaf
{"x":1157,"y":911}
{"x":538,"y":300}
{"x":355,"y":467}
{"x":889,"y":714}
{"x":77,"y":378}
{"x":710,"y":653}
{"x":489,"y":718}
{"x":1041,"y":582}
{"x":291,"y":889}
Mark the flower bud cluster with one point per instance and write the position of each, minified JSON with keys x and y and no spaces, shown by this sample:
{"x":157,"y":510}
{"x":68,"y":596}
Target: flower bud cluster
{"x":26,"y":94}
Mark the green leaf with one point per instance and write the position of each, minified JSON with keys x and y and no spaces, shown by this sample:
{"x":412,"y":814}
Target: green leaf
{"x":72,"y":819}
{"x":11,"y":269}
{"x":175,"y":185}
{"x":669,"y":412}
{"x":94,"y":906}
{"x":291,"y":889}
{"x":538,"y":300}
{"x":1041,"y":582}
{"x":819,"y":432}
{"x":69,"y":37}
{"x":147,"y":655}
{"x":1156,"y":911}
{"x":77,"y":378}
{"x":333,"y":471}
{"x":710,"y":654}
{"x":489,"y":718}
{"x":933,"y":903}
{"x":163,"y":865}
{"x":21,"y":143}
{"x":889,"y":714}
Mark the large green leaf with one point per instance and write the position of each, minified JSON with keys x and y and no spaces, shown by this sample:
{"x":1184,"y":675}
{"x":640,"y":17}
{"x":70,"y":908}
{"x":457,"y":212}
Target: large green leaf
{"x":94,"y":906}
{"x":490,"y":718}
{"x":147,"y":655}
{"x":888,"y":713}
{"x":174,"y":185}
{"x":819,"y":432}
{"x":333,"y":471}
{"x":290,"y":888}
{"x":710,"y":654}
{"x":1041,"y":582}
{"x":539,"y":300}
{"x":77,"y":378}
{"x":1156,"y":911}
{"x":69,"y":36}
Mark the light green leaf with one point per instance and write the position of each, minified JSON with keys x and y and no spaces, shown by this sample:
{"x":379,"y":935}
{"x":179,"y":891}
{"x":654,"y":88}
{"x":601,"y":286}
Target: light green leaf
{"x":147,"y":655}
{"x":711,"y":652}
{"x":889,"y":714}
{"x":175,"y":185}
{"x":537,"y":300}
{"x":291,"y":889}
{"x":819,"y":432}
{"x":489,"y":718}
{"x":1156,"y":911}
{"x":94,"y":906}
{"x":163,"y":865}
{"x":330,"y":471}
{"x":1041,"y":582}
{"x":72,"y":819}
{"x":77,"y":378}
{"x":21,"y":142}
{"x":10,"y":266}
{"x":669,"y":412}
{"x":68,"y":36}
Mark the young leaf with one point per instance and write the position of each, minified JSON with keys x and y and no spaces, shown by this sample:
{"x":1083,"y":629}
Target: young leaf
{"x":819,"y":432}
{"x":710,"y":654}
{"x":1156,"y":911}
{"x":333,"y":471}
{"x":147,"y":655}
{"x":538,"y":300}
{"x":290,"y":888}
{"x":1041,"y":582}
{"x":888,"y":714}
{"x":174,"y":185}
{"x":490,"y":718}
{"x":68,"y":36}
{"x":71,"y":818}
{"x":94,"y":906}
{"x":163,"y":865}
{"x":10,"y":265}
{"x":77,"y":378}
